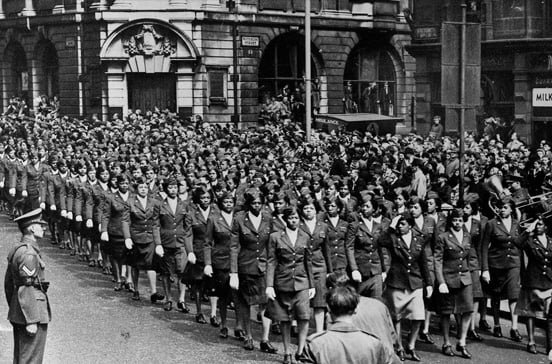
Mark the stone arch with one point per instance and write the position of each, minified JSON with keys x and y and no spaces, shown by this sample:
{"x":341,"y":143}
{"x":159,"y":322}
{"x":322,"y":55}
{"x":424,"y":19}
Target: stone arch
{"x":46,"y":68}
{"x":15,"y":76}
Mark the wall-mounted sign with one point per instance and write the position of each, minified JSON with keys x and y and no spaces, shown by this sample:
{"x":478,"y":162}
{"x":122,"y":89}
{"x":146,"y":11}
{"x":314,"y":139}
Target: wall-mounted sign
{"x":250,"y":41}
{"x":542,"y":97}
{"x":70,"y":42}
{"x":426,"y":33}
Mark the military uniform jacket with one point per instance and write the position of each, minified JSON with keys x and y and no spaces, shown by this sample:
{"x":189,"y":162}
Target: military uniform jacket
{"x":476,"y":233}
{"x":277,"y":223}
{"x":289,"y":267}
{"x":32,"y":179}
{"x":538,"y":273}
{"x":407,"y":266}
{"x":248,"y":246}
{"x":429,"y":232}
{"x":10,"y":168}
{"x":70,"y":193}
{"x":364,"y":250}
{"x":113,"y":215}
{"x":319,"y":247}
{"x":175,"y":228}
{"x":79,"y":197}
{"x":499,"y":246}
{"x":452,"y":259}
{"x":27,"y":304}
{"x":336,"y":242}
{"x":97,"y":200}
{"x":199,"y":229}
{"x":47,"y":187}
{"x":142,"y":224}
{"x":216,"y":248}
{"x":59,"y":191}
{"x":21,"y":174}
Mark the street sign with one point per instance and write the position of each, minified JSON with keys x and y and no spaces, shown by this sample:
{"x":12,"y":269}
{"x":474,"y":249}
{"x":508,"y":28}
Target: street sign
{"x":542,"y":97}
{"x":250,"y":41}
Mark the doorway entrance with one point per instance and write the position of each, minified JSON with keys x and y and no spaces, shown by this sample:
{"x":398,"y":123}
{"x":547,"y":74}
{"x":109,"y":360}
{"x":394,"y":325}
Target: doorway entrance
{"x":148,"y":91}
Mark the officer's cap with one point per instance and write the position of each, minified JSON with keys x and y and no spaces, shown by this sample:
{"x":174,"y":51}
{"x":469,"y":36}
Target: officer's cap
{"x":31,"y":217}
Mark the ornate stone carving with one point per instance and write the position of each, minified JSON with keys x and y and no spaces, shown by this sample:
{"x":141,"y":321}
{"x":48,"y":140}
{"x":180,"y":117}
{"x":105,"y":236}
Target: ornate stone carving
{"x":149,"y":42}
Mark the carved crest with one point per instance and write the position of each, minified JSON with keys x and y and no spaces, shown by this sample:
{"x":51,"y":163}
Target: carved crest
{"x":149,"y":42}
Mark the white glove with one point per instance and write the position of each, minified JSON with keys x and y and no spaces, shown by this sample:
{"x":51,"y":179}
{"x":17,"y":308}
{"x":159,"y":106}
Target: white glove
{"x":100,"y":227}
{"x":208,"y":270}
{"x":429,"y":291}
{"x":443,"y":288}
{"x":104,"y":236}
{"x":191,"y":258}
{"x":42,"y":206}
{"x":53,"y":208}
{"x":63,"y":213}
{"x":89,"y":223}
{"x":270,"y":293}
{"x":24,"y":193}
{"x":31,"y":329}
{"x":356,"y":276}
{"x":159,"y":250}
{"x":383,"y":276}
{"x":234,"y":281}
{"x":312,"y":293}
{"x":78,"y":218}
{"x":11,"y":191}
{"x":128,"y":243}
{"x":70,"y":215}
{"x":486,"y":276}
{"x":1,"y":184}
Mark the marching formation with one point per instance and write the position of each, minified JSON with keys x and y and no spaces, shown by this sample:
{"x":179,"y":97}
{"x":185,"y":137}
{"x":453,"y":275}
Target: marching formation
{"x":262,"y":220}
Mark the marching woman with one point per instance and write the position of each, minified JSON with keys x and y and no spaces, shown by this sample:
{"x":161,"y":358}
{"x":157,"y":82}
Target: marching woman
{"x":116,"y":206}
{"x":500,"y":264}
{"x":337,"y":230}
{"x":452,"y":255}
{"x":407,"y":276}
{"x":21,"y":171}
{"x":251,"y":230}
{"x":280,"y":201}
{"x":364,"y":252}
{"x":536,"y":282}
{"x":175,"y":248}
{"x":317,"y":231}
{"x":201,"y":210}
{"x":10,"y":179}
{"x":79,"y":185}
{"x":142,"y":235}
{"x":100,"y":195}
{"x":290,"y":283}
{"x":217,"y":257}
{"x":32,"y":183}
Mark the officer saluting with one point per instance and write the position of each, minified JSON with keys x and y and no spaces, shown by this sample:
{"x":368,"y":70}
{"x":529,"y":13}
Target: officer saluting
{"x":25,"y":288}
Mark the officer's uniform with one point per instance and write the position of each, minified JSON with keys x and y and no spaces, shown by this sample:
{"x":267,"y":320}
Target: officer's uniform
{"x":25,"y":289}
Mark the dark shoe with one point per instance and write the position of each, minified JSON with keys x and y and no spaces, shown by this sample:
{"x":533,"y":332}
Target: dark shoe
{"x":224,"y":333}
{"x":119,"y":287}
{"x":167,"y":306}
{"x":294,"y":332}
{"x":276,"y":329}
{"x":474,"y":336}
{"x":464,"y":353}
{"x":413,"y":355}
{"x":401,"y":355}
{"x":200,"y":319}
{"x":192,"y":296}
{"x":215,"y":322}
{"x":426,"y":338}
{"x":239,"y":334}
{"x":484,"y":326}
{"x":447,"y":350}
{"x":92,"y":263}
{"x":515,"y":335}
{"x":298,"y":357}
{"x":182,"y":307}
{"x":259,"y":317}
{"x":156,"y":297}
{"x":497,"y":331}
{"x":136,"y":296}
{"x":287,"y":359}
{"x":532,"y":348}
{"x":248,"y":344}
{"x":267,"y":347}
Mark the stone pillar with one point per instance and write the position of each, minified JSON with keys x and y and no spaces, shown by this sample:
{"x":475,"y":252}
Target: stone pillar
{"x":2,"y":14}
{"x":28,"y":10}
{"x":35,"y":76}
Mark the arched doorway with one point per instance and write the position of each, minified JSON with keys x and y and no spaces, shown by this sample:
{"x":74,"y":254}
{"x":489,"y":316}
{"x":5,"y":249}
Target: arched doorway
{"x":282,"y":67}
{"x":16,"y":76}
{"x":47,"y":68}
{"x":370,"y":81}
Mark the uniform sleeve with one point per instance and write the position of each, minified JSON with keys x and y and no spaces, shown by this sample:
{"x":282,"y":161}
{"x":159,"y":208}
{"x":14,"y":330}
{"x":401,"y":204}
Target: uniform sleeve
{"x":188,"y":236}
{"x":125,"y":222}
{"x":156,"y":223}
{"x":28,"y":266}
{"x":438,"y":260}
{"x":485,"y":242}
{"x":106,"y":214}
{"x":327,"y":253}
{"x":350,"y":245}
{"x":8,"y":285}
{"x":89,"y":203}
{"x":271,"y":261}
{"x":24,"y":177}
{"x":234,"y":246}
{"x":209,"y":241}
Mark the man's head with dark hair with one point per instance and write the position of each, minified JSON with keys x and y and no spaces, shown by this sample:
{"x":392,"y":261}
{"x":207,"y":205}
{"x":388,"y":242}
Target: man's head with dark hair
{"x":342,"y":301}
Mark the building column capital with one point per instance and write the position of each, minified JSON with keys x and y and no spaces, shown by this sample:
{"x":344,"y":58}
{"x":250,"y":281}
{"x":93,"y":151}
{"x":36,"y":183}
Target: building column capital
{"x":29,"y":9}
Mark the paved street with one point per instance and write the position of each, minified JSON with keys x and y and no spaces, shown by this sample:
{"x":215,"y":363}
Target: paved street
{"x":93,"y":324}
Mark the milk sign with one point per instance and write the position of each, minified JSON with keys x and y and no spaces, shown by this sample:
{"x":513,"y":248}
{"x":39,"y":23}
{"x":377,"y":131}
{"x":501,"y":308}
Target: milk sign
{"x":542,"y":97}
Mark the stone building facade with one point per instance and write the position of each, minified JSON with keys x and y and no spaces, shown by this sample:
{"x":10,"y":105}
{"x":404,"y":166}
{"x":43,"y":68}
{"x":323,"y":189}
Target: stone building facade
{"x":214,"y":58}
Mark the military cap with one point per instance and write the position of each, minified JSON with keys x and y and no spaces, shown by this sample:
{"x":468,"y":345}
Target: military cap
{"x":31,"y":217}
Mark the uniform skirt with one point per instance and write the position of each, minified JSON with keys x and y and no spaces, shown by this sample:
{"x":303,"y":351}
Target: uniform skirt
{"x":289,"y":306}
{"x":477,"y":288}
{"x":252,"y":289}
{"x":173,"y":262}
{"x":319,"y":299}
{"x":533,"y":302}
{"x":193,"y":273}
{"x":117,"y":248}
{"x":371,"y":287}
{"x":404,"y":303}
{"x":219,"y":284}
{"x":141,"y":256}
{"x":504,"y":283}
{"x":458,"y":300}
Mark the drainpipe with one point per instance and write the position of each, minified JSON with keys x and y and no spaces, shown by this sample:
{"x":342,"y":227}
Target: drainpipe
{"x":231,"y":4}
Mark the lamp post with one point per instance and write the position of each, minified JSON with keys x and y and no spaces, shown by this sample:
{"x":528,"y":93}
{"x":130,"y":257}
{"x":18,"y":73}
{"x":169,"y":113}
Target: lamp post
{"x":308,"y":86}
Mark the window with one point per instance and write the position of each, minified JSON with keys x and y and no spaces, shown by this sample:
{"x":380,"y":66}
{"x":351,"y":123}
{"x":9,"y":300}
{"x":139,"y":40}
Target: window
{"x":218,"y":86}
{"x":369,"y":82}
